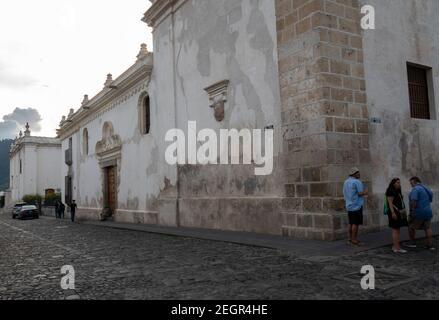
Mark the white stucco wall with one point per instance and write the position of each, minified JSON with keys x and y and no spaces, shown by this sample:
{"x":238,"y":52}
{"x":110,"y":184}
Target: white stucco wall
{"x":49,"y":165}
{"x":215,"y":40}
{"x":41,"y":166}
{"x":407,"y":31}
{"x":142,"y":170}
{"x":202,"y":43}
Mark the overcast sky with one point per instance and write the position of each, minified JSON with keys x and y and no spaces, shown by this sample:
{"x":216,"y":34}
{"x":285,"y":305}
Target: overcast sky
{"x":52,"y":52}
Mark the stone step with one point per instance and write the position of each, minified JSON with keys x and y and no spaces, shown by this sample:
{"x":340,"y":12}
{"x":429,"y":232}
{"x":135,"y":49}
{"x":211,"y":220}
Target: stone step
{"x":323,"y":221}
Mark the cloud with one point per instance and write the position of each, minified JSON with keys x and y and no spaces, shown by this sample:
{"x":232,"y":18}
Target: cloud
{"x":14,"y":79}
{"x":11,"y":80}
{"x":8,"y":129}
{"x":14,"y":122}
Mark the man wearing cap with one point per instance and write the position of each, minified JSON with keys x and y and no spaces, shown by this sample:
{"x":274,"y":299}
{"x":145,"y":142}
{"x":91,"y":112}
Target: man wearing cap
{"x":354,"y":192}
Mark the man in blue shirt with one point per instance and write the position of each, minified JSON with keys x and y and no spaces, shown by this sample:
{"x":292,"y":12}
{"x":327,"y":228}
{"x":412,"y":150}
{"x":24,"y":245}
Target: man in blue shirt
{"x":421,"y":212}
{"x":354,"y":192}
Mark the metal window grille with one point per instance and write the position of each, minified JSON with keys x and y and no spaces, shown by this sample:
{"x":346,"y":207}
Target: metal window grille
{"x":418,"y":89}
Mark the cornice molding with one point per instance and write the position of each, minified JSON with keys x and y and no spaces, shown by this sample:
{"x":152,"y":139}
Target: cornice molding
{"x":108,"y":99}
{"x":33,"y":141}
{"x":159,"y":10}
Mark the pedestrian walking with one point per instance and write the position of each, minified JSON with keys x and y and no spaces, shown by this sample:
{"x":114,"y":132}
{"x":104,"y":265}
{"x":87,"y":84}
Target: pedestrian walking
{"x":62,"y":210}
{"x":421,"y":212}
{"x":396,"y":211}
{"x":57,"y":207}
{"x":354,"y":192}
{"x":73,"y":207}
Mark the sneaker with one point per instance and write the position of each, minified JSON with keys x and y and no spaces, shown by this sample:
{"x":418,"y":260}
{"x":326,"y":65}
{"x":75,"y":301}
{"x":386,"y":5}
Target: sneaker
{"x":400,"y":251}
{"x":410,"y":245}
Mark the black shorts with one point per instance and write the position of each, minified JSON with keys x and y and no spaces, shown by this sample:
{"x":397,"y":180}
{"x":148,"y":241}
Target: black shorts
{"x":356,"y":217}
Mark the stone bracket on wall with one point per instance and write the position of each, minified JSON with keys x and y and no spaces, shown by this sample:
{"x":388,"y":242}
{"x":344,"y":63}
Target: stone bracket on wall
{"x":218,"y":94}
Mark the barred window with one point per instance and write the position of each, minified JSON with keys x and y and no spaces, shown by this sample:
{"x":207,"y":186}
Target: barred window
{"x":418,"y":90}
{"x":85,"y":142}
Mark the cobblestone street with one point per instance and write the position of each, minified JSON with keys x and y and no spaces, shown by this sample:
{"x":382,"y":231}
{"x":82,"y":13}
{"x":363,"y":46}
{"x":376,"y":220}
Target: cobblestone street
{"x":119,"y":264}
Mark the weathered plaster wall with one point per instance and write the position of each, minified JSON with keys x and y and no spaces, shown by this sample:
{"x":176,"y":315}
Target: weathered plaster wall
{"x":203,"y":43}
{"x":49,"y":165}
{"x":141,"y":171}
{"x":17,"y":182}
{"x":407,"y":31}
{"x":64,"y":169}
{"x":40,"y":170}
{"x":73,"y":171}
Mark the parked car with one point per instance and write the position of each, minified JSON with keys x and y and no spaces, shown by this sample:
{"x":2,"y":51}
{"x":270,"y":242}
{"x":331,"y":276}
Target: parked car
{"x":16,"y":209}
{"x":28,"y":212}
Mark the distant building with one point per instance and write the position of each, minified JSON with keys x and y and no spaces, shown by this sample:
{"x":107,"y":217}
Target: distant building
{"x":35,"y":165}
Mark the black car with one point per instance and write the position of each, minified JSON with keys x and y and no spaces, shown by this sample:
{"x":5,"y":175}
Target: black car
{"x":17,"y":208}
{"x":28,"y":212}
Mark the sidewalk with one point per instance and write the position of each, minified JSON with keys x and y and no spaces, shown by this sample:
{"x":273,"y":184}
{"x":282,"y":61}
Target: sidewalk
{"x":303,"y":248}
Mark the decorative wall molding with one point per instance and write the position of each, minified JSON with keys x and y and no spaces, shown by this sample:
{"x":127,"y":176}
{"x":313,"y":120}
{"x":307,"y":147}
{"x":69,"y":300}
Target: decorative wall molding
{"x":38,"y":142}
{"x":106,"y":103}
{"x":109,"y":148}
{"x":218,"y":96}
{"x":159,"y":10}
{"x":135,"y":91}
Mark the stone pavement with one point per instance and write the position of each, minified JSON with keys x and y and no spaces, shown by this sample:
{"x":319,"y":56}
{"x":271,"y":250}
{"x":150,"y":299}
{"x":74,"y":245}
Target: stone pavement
{"x":114,"y":263}
{"x":304,"y":248}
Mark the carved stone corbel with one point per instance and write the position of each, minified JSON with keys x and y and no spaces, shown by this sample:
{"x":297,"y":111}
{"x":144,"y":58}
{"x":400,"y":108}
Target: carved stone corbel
{"x":218,"y":94}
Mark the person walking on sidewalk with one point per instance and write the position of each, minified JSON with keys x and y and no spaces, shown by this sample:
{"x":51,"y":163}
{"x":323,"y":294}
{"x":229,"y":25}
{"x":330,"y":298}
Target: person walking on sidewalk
{"x":396,"y":213}
{"x":73,"y":207}
{"x":421,"y":212}
{"x":62,"y":210}
{"x":57,"y":206}
{"x":354,"y":192}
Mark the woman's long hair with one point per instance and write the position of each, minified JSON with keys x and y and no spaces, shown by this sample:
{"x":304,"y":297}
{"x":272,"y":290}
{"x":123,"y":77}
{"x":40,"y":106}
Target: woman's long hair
{"x":392,"y":186}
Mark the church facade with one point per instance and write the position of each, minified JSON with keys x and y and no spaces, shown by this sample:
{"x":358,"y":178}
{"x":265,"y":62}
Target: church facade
{"x":337,"y":96}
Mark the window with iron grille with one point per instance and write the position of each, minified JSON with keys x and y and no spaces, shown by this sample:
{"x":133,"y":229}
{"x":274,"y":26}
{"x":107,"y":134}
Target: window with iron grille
{"x":147,"y":115}
{"x":418,"y":90}
{"x":68,"y":190}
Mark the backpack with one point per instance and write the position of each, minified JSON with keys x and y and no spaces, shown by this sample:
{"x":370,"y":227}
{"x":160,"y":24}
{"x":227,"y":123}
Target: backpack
{"x":386,"y":206}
